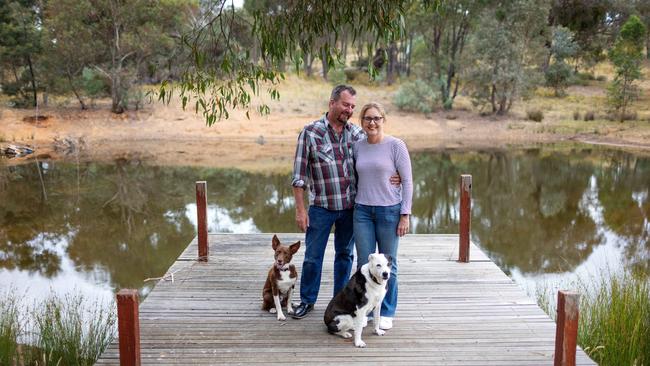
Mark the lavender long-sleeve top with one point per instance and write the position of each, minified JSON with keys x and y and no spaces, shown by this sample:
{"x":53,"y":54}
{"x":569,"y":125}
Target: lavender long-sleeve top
{"x":375,"y":163}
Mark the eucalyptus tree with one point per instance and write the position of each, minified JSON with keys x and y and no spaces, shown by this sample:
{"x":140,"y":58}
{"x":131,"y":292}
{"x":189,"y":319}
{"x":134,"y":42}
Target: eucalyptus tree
{"x":559,"y":71}
{"x":129,"y":32}
{"x":280,"y":31}
{"x":506,"y":52}
{"x":590,"y":21}
{"x":626,"y":55}
{"x":69,"y":46}
{"x":20,"y":48}
{"x":445,"y":30}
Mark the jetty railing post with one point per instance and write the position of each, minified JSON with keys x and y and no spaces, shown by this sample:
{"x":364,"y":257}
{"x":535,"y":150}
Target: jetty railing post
{"x":128,"y":327}
{"x":465,"y":209}
{"x":202,"y":220}
{"x":566,"y":333}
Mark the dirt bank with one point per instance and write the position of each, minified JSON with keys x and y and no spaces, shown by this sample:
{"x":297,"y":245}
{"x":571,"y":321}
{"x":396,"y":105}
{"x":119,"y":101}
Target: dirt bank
{"x":167,"y":135}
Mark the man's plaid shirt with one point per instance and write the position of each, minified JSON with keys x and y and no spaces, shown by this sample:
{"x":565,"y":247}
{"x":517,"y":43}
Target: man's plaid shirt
{"x":324,"y":162}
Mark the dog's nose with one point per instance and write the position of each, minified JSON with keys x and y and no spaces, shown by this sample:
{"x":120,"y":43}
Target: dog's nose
{"x":384,"y":275}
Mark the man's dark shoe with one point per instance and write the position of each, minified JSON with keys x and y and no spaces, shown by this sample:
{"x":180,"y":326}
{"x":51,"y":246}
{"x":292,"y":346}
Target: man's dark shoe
{"x":302,"y":310}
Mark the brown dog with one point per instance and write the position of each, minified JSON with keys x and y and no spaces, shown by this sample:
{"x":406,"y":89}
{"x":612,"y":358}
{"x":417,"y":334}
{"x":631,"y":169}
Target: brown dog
{"x":281,"y":279}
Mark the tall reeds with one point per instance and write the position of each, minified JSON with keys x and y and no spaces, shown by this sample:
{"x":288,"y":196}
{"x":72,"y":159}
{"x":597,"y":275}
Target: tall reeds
{"x":68,"y":330}
{"x":614,"y":323}
{"x":10,"y":328}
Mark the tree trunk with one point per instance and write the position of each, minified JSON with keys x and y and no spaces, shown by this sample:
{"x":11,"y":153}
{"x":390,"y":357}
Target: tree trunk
{"x":325,"y":65}
{"x":308,"y":60}
{"x":493,"y":98}
{"x":392,"y":63}
{"x":409,"y":51}
{"x":116,"y":95}
{"x":74,"y":90}
{"x":32,"y":80}
{"x":344,"y":48}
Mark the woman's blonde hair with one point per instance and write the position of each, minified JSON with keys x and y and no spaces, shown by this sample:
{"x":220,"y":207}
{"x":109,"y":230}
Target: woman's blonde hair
{"x":375,"y":105}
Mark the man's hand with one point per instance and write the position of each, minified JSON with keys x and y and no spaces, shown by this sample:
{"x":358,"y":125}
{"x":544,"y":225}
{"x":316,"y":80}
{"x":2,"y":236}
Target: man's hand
{"x":395,"y":179}
{"x":403,"y":225}
{"x":302,"y":219}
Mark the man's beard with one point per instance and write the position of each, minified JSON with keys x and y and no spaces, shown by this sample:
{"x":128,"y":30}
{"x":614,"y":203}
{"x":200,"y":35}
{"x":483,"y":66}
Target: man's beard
{"x":343,"y":117}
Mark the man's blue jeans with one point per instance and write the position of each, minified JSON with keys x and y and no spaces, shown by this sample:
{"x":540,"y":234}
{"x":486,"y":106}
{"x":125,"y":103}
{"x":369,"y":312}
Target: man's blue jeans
{"x":321,"y":221}
{"x":376,"y":227}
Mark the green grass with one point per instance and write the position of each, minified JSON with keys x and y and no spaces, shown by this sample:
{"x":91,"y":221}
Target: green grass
{"x":614,"y":323}
{"x":67,"y":330}
{"x":10,"y":328}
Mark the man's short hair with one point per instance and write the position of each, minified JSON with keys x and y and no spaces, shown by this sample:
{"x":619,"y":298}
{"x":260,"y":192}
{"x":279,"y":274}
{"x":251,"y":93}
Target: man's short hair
{"x":336,"y":92}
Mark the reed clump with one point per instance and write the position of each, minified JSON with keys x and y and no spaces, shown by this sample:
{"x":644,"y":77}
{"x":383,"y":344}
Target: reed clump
{"x":614,"y":321}
{"x":68,"y":330}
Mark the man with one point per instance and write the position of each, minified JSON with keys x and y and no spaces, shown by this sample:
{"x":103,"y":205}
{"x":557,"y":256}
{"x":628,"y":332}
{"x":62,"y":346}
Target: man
{"x":324,"y":162}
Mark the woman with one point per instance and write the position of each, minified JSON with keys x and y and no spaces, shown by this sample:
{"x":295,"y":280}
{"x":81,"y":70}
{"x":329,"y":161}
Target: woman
{"x":382,"y":210}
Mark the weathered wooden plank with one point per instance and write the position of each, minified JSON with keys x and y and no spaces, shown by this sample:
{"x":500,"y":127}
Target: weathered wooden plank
{"x":449,"y":313}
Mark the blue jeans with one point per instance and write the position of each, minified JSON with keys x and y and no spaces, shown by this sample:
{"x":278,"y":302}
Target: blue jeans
{"x":321,"y":221}
{"x":376,"y":227}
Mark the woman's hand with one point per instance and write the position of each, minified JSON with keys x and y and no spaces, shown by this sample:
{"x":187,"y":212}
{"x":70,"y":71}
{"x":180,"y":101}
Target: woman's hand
{"x":403,"y":225}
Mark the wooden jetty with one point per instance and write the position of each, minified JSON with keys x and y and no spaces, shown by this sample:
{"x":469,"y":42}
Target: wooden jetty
{"x":449,"y":312}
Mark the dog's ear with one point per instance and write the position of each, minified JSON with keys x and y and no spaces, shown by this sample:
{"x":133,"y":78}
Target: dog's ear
{"x":275,"y":242}
{"x":390,"y":259}
{"x":294,"y":247}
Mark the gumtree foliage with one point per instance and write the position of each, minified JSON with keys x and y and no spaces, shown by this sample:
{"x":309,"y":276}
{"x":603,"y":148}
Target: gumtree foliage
{"x":69,"y":46}
{"x":562,"y":47}
{"x":19,"y":49}
{"x":506,"y":52}
{"x":128,"y":33}
{"x":445,"y":30}
{"x":626,"y":55}
{"x":280,"y":30}
{"x":589,"y":22}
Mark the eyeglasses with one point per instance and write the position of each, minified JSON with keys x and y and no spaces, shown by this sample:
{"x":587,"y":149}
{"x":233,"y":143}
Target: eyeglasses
{"x":369,"y":119}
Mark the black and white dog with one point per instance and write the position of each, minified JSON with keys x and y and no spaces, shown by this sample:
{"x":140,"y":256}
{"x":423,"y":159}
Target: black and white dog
{"x":365,"y":291}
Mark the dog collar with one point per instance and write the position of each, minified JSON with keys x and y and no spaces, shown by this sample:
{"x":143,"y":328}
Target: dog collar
{"x":374,"y":279}
{"x":283,"y":267}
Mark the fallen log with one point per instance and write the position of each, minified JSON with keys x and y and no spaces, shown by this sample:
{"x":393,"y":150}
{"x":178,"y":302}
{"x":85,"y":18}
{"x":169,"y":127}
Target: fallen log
{"x":13,"y":150}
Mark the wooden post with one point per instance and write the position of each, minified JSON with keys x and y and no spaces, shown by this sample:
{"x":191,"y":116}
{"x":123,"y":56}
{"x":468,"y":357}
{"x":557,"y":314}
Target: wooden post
{"x":202,"y":220}
{"x":128,"y":327}
{"x":566,"y":333}
{"x":465,"y":209}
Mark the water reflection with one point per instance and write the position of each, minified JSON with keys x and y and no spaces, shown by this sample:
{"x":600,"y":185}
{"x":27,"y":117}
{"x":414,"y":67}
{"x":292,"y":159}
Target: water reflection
{"x":535,"y":212}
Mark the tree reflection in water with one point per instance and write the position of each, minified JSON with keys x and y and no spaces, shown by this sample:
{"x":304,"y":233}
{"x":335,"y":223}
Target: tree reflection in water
{"x":537,"y":211}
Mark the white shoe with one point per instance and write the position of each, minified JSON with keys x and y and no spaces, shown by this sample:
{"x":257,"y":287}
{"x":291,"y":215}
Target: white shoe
{"x":385,"y":322}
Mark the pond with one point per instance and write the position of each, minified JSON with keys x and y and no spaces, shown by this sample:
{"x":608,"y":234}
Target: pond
{"x":542,"y":214}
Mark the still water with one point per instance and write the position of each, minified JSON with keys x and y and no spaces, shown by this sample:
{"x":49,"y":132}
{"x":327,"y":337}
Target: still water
{"x":542,"y":215}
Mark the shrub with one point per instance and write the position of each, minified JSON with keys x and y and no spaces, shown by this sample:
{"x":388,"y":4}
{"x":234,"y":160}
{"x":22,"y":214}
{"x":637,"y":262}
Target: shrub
{"x":59,"y":331}
{"x":416,"y":96}
{"x":337,"y":77}
{"x":94,"y":84}
{"x":9,"y":329}
{"x":72,"y":331}
{"x":614,"y":326}
{"x":576,"y":115}
{"x":589,"y":116}
{"x":535,"y":115}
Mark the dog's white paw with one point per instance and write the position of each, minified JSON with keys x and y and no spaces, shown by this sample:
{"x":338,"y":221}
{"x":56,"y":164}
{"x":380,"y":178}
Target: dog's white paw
{"x":282,"y":317}
{"x":360,"y":344}
{"x":346,"y":335}
{"x":290,"y":311}
{"x":380,"y":332}
{"x":272,"y":311}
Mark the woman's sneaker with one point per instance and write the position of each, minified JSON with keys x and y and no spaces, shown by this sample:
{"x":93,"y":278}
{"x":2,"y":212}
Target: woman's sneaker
{"x":385,"y":322}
